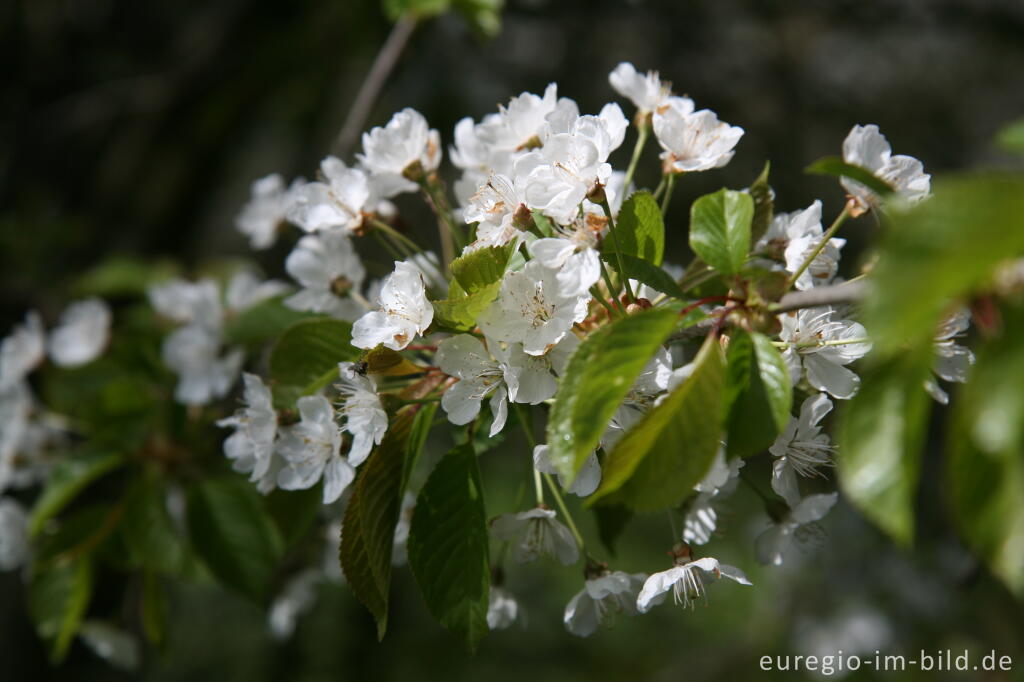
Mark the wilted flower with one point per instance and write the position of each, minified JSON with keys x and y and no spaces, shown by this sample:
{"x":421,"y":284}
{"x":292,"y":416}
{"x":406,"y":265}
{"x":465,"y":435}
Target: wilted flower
{"x":534,"y":534}
{"x":602,"y":598}
{"x":686,"y":580}
{"x":801,"y":448}
{"x":773,"y":543}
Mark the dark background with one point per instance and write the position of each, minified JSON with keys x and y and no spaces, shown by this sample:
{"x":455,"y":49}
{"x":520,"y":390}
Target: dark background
{"x":136,"y":127}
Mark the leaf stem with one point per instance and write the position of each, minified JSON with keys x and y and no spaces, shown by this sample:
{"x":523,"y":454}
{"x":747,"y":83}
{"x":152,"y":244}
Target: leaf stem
{"x":557,"y":494}
{"x":641,"y":140}
{"x":669,"y":186}
{"x":618,"y":250}
{"x":819,"y":344}
{"x":829,"y":233}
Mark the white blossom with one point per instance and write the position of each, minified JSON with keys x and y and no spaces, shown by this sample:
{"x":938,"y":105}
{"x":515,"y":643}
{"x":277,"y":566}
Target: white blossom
{"x":952,"y":361}
{"x":193,"y":353}
{"x":251,"y":446}
{"x":866,"y":147}
{"x":493,"y":207}
{"x":502,"y":608}
{"x":821,"y":346}
{"x":686,"y":580}
{"x":801,"y":448}
{"x":14,"y":547}
{"x":340,"y":201}
{"x":479,"y":376}
{"x":773,"y":542}
{"x":82,"y":334}
{"x":573,"y":255}
{"x":571,"y":164}
{"x":646,"y":91}
{"x":296,"y":599}
{"x":117,"y":647}
{"x":792,"y":237}
{"x":365,"y":418}
{"x":245,"y":289}
{"x":404,"y":311}
{"x":701,"y":518}
{"x":331,"y":274}
{"x":536,"y":534}
{"x":693,"y":141}
{"x":531,"y":309}
{"x":268,"y":205}
{"x":312,"y":450}
{"x":601,"y":600}
{"x":390,"y":151}
{"x":587,"y":478}
{"x":22,"y":350}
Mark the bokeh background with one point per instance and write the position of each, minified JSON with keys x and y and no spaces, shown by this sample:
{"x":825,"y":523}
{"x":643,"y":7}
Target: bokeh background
{"x":136,"y":128}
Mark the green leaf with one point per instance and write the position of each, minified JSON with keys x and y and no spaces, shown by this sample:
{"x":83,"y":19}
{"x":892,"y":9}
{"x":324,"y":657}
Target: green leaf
{"x":58,"y":596}
{"x":761,"y":192}
{"x":658,"y":461}
{"x":645,"y":273}
{"x":543,"y":224}
{"x":382,"y":360}
{"x":460,"y":310}
{"x":985,"y":468}
{"x":836,"y":167}
{"x":70,"y":477}
{"x":942,"y":249}
{"x":720,"y":225}
{"x":478,"y":270}
{"x":148,"y":529}
{"x":639,"y":230}
{"x":1011,"y":137}
{"x":306,"y":357}
{"x":233,"y":534}
{"x":263,"y":322}
{"x":760,"y":393}
{"x":448,"y":546}
{"x":598,"y":377}
{"x":881,"y":433}
{"x":368,"y":529}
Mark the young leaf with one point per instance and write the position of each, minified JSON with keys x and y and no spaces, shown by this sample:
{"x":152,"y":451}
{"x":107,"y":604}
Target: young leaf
{"x":760,"y":393}
{"x":985,"y":469}
{"x":639,"y":230}
{"x":761,"y":192}
{"x":479,"y":269}
{"x":234,"y":535}
{"x":69,"y":477}
{"x":942,"y":249}
{"x":381,"y":360}
{"x":448,"y":546}
{"x":599,"y":375}
{"x":148,"y":530}
{"x":645,"y":273}
{"x":460,"y":310}
{"x":835,"y":166}
{"x":881,"y":434}
{"x":720,"y":229}
{"x":58,"y":596}
{"x":368,"y":529}
{"x":306,"y":357}
{"x":657,"y":462}
{"x":1011,"y":137}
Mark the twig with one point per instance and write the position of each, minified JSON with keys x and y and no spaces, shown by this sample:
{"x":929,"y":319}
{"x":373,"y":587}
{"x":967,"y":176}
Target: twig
{"x":847,"y":292}
{"x":382,"y":66}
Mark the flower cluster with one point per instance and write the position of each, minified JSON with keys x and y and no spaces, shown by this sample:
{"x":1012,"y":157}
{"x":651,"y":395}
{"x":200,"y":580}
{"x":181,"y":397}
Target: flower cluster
{"x":541,"y":260}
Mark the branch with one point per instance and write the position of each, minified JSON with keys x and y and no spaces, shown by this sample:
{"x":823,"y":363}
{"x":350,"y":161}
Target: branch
{"x":847,"y":292}
{"x":368,"y":91}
